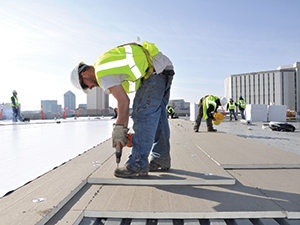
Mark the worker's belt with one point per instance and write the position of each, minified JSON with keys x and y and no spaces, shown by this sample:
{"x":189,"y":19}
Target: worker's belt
{"x":166,"y":72}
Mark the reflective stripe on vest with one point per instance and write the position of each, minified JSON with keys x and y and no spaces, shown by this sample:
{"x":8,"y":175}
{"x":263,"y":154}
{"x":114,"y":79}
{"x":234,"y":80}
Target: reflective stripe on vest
{"x":171,"y":110}
{"x":209,"y":100}
{"x":129,"y":60}
{"x":242,"y":104}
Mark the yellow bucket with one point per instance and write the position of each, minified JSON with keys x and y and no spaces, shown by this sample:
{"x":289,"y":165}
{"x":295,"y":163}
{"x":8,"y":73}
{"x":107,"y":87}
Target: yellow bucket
{"x":219,"y":118}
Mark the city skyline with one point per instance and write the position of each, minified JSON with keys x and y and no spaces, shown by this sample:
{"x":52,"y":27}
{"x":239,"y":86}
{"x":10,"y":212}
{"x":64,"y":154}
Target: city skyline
{"x":207,"y":41}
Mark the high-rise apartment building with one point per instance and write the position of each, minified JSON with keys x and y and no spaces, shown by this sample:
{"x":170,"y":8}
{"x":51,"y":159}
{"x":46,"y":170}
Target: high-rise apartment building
{"x":278,"y":87}
{"x":69,"y":101}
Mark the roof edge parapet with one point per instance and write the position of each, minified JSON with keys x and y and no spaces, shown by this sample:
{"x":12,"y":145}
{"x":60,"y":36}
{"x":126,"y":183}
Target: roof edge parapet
{"x":294,"y":65}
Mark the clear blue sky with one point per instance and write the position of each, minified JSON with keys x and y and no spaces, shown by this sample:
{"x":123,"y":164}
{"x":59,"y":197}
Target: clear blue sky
{"x":41,"y":41}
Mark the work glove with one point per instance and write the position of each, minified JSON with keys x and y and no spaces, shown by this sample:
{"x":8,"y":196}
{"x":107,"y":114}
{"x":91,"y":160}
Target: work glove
{"x":118,"y":138}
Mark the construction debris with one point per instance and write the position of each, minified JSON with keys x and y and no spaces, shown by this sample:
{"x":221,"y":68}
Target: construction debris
{"x":291,"y":115}
{"x":279,"y":126}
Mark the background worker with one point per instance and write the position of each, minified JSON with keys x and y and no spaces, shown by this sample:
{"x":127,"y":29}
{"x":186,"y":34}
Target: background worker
{"x":115,"y":113}
{"x":231,"y":106}
{"x":206,"y":108}
{"x":152,"y":74}
{"x":242,"y":106}
{"x":171,"y":111}
{"x":15,"y":106}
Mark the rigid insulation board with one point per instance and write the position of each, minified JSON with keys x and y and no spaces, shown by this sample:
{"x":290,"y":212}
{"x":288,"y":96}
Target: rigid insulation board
{"x":277,"y":113}
{"x":233,"y":152}
{"x":193,"y":111}
{"x":189,"y":166}
{"x":237,"y":201}
{"x":56,"y":188}
{"x":280,"y":185}
{"x":256,"y":113}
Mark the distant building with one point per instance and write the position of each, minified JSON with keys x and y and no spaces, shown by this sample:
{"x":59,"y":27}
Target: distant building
{"x":7,"y":111}
{"x":59,"y":108}
{"x":181,"y":107}
{"x":82,"y":106}
{"x":179,"y":104}
{"x":69,"y":101}
{"x":279,"y":87}
{"x":97,"y":99}
{"x":50,"y":106}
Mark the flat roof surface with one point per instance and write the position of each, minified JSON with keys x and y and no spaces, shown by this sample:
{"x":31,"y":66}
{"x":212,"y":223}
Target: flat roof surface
{"x":75,"y":192}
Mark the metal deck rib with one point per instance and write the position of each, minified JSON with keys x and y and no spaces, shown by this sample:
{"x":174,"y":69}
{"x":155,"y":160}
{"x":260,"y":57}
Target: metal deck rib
{"x":118,"y":221}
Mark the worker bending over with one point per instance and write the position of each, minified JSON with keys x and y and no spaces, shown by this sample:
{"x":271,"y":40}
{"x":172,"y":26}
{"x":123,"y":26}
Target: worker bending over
{"x":171,"y":111}
{"x":206,"y":108}
{"x":144,"y":69}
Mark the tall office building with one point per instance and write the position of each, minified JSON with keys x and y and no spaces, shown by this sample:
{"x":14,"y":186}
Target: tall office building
{"x":69,"y":101}
{"x":278,"y":87}
{"x":97,"y":99}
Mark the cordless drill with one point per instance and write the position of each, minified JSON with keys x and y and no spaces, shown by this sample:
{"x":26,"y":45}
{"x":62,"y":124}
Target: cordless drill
{"x":120,"y":147}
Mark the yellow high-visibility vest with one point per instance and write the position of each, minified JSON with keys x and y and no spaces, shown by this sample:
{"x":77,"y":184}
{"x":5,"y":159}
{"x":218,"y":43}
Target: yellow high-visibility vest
{"x":242,"y":104}
{"x":209,"y":100}
{"x":16,"y":101}
{"x":231,"y":105}
{"x":131,"y":59}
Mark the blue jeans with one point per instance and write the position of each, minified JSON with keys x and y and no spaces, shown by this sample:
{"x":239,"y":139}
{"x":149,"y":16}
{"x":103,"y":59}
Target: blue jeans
{"x":15,"y":114}
{"x":231,"y":111}
{"x":242,"y":114}
{"x":150,"y":123}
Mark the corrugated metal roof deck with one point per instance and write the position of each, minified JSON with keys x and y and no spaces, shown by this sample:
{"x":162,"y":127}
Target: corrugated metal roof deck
{"x":116,"y":221}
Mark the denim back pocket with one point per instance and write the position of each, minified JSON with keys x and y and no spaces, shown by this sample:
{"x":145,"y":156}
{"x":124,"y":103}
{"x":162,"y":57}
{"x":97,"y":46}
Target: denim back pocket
{"x":151,"y":93}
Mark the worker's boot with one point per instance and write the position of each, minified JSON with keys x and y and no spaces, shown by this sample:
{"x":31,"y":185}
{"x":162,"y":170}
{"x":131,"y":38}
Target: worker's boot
{"x":211,"y":130}
{"x":126,"y":172}
{"x":209,"y":125}
{"x":196,"y":128}
{"x":153,"y":166}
